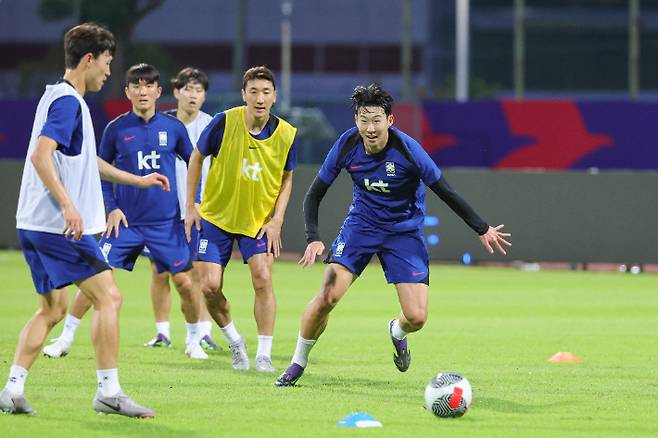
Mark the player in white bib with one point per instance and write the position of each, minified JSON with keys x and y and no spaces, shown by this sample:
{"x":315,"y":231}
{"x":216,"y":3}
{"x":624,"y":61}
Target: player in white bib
{"x":60,"y":208}
{"x":190,"y":87}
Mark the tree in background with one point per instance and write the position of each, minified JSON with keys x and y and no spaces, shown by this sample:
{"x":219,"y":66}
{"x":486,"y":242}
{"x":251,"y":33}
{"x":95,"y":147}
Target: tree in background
{"x":121,"y":17}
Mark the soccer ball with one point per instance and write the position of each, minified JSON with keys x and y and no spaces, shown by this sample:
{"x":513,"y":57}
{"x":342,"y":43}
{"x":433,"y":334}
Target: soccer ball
{"x":448,"y":395}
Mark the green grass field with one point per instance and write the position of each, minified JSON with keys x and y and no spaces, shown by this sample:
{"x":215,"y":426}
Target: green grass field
{"x":497,"y":327}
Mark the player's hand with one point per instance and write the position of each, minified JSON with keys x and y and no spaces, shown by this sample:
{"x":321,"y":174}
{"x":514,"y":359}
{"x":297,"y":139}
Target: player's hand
{"x":272,"y":230}
{"x":114,"y":219}
{"x":493,"y":238}
{"x":313,"y":250}
{"x":154,"y":179}
{"x":192,"y":217}
{"x":72,"y":223}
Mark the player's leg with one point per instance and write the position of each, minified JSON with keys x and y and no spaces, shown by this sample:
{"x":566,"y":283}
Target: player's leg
{"x":205,"y":320}
{"x":51,"y":311}
{"x":169,"y":249}
{"x":214,"y":253}
{"x":405,"y":260}
{"x":337,"y":279}
{"x":190,"y":306}
{"x":115,"y":250}
{"x":61,"y":346}
{"x":161,"y":302}
{"x":413,"y":314}
{"x":350,"y":253}
{"x":103,"y":293}
{"x":260,"y":266}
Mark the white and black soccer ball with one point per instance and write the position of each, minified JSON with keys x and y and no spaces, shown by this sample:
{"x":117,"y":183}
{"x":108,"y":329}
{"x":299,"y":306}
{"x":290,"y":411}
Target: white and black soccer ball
{"x":448,"y":395}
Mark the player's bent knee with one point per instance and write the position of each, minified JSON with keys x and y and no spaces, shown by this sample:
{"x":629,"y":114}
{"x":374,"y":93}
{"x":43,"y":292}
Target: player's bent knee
{"x":416,"y":318}
{"x":262,"y":280}
{"x":327,"y":300}
{"x":183,"y":283}
{"x":211,"y":286}
{"x":116,"y":297}
{"x":52,"y":315}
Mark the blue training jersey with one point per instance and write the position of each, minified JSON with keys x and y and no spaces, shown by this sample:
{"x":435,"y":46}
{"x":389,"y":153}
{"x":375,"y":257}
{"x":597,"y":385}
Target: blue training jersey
{"x":141,"y":148}
{"x":388,"y":193}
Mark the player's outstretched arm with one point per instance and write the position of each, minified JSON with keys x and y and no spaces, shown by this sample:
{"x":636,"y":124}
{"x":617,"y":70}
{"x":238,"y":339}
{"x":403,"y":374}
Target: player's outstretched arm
{"x":489,"y":236}
{"x":114,"y":219}
{"x":313,"y":250}
{"x":42,"y":160}
{"x":112,"y":174}
{"x":493,"y":238}
{"x":272,"y":229}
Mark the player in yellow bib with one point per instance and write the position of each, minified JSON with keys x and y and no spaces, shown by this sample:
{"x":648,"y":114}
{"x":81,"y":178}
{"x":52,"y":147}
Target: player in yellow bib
{"x":244,"y":199}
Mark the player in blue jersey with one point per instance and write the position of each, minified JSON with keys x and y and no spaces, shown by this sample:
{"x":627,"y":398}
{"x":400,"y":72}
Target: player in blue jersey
{"x":139,"y":142}
{"x":389,"y":170}
{"x":60,"y":208}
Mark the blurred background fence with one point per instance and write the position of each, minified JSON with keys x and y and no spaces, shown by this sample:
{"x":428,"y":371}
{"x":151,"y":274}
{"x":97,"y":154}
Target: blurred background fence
{"x":543,"y":112}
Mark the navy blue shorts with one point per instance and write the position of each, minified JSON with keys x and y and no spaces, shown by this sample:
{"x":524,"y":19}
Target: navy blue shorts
{"x":166,"y":243}
{"x":192,"y":246}
{"x":403,"y":256}
{"x":216,"y":245}
{"x":56,"y":261}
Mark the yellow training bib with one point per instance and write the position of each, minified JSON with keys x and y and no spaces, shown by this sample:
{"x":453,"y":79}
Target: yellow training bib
{"x":244,"y":180}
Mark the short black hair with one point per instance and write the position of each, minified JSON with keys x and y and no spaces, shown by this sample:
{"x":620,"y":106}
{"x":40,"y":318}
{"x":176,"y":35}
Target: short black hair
{"x":371,"y":95}
{"x":190,"y":74}
{"x":142,"y":72}
{"x":86,"y":38}
{"x":260,"y":72}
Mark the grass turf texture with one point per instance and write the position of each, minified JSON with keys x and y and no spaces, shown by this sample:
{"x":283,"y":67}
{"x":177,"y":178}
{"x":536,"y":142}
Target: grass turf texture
{"x":495,"y":326}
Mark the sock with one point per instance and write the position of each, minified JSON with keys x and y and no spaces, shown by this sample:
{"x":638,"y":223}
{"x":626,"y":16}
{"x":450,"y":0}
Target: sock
{"x":397,"y":331}
{"x":16,"y":381}
{"x":302,"y":350}
{"x":231,"y":333}
{"x":193,"y":332}
{"x":70,"y":326}
{"x":163,"y":327}
{"x":206,"y":328}
{"x":108,"y":382}
{"x":264,"y":346}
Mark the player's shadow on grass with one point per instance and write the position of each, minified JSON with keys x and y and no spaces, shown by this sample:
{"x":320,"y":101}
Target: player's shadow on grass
{"x":508,"y":406}
{"x":350,"y":382}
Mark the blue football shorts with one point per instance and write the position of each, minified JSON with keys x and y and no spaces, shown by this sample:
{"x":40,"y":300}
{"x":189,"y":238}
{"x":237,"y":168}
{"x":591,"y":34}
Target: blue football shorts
{"x":192,"y":246}
{"x":166,"y":243}
{"x":216,"y":245}
{"x":56,"y":261}
{"x":403,"y":255}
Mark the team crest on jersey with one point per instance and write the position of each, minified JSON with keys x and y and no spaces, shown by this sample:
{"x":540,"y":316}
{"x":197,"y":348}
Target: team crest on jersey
{"x":390,"y":168}
{"x":203,"y":246}
{"x":162,"y":138}
{"x":106,"y":250}
{"x":339,"y":249}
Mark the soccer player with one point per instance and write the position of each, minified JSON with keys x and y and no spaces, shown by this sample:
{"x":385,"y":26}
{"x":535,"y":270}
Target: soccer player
{"x":388,"y":169}
{"x":190,"y":87}
{"x":137,"y":142}
{"x":245,"y":199}
{"x":60,"y":208}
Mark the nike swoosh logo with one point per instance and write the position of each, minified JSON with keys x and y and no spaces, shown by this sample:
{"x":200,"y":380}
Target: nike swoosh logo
{"x":116,"y":408}
{"x":129,"y":137}
{"x":355,"y":167}
{"x":260,"y":245}
{"x":253,"y":147}
{"x":177,"y":264}
{"x":416,"y":274}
